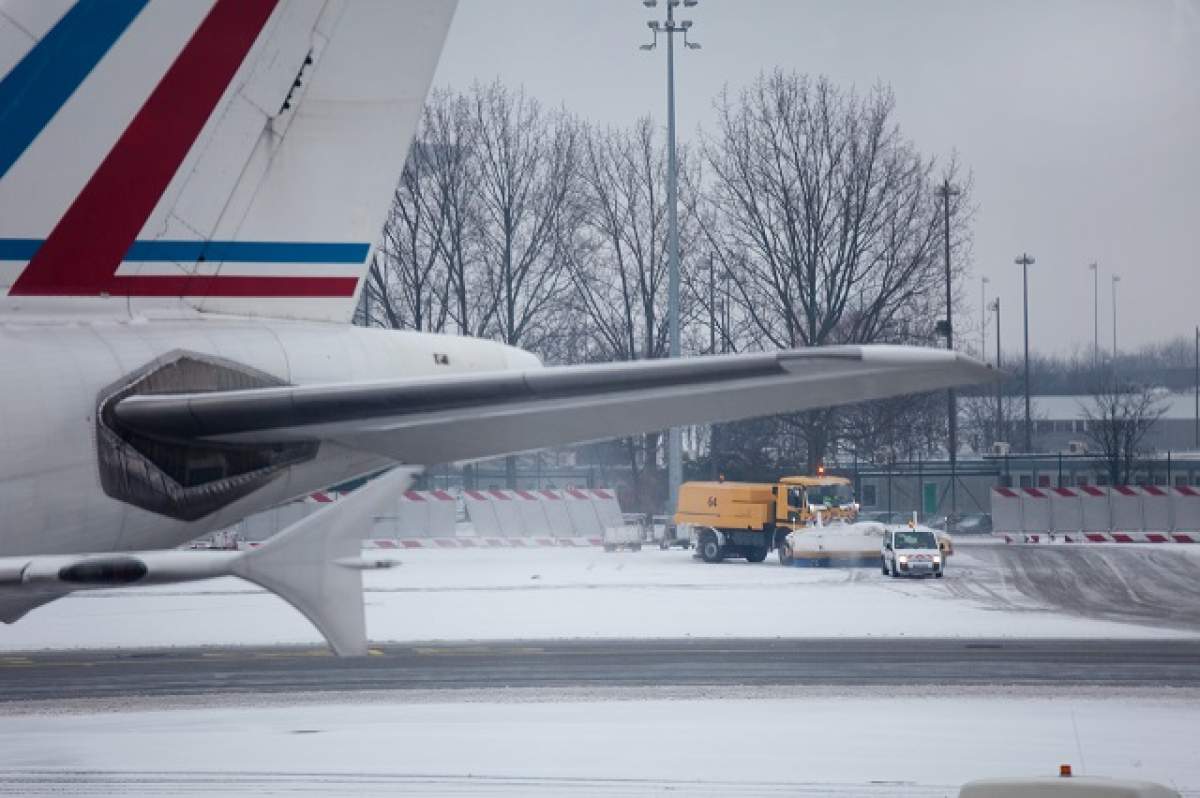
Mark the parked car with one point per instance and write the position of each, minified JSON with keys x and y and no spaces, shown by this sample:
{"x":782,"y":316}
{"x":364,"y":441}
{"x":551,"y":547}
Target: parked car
{"x":966,"y":523}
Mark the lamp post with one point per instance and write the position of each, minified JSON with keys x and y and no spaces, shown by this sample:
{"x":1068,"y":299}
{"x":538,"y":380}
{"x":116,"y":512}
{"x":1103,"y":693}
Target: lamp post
{"x":999,"y":384}
{"x":945,"y":191}
{"x":983,"y":309}
{"x":669,"y":28}
{"x":1095,"y":269}
{"x":1116,"y":278}
{"x":1025,"y":261}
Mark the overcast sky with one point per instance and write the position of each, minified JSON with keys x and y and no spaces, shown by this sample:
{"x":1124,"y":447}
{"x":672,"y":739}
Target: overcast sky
{"x":1079,"y":119}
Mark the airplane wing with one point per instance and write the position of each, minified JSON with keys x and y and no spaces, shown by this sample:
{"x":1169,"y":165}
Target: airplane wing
{"x":466,"y":417}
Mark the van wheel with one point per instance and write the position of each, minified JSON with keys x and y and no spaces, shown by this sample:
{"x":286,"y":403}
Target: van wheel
{"x":710,"y":549}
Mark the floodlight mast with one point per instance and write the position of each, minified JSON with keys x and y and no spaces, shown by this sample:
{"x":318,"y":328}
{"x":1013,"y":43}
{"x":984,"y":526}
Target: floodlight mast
{"x":669,"y":28}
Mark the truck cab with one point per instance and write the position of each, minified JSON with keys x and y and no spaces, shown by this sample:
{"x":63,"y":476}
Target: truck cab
{"x":912,"y":551}
{"x":803,"y":499}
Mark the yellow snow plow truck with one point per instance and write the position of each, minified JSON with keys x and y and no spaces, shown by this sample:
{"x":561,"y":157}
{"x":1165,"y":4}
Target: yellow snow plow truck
{"x":748,"y":519}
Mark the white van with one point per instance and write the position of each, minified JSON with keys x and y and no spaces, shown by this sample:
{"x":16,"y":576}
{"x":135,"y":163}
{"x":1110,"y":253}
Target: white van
{"x":909,"y":551}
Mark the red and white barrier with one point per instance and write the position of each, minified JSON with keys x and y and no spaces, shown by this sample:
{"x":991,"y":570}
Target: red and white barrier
{"x":1156,"y":510}
{"x":421,"y":514}
{"x":1125,"y":509}
{"x":1093,"y":506}
{"x":393,"y":544}
{"x":1185,"y":512}
{"x":1006,"y":510}
{"x":1120,"y":514}
{"x":1066,"y":511}
{"x":1035,"y":511}
{"x":570,"y":513}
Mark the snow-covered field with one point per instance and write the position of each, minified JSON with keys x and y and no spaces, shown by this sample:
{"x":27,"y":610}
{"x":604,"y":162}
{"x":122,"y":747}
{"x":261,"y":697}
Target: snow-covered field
{"x":499,"y":594}
{"x":618,"y":741}
{"x":607,"y":743}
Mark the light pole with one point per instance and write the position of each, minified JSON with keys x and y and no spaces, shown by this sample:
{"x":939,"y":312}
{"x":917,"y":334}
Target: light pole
{"x":945,"y":191}
{"x":983,"y":309}
{"x":1116,"y":278}
{"x":1025,"y":261}
{"x":999,"y":384}
{"x":669,"y":28}
{"x":1095,"y":269}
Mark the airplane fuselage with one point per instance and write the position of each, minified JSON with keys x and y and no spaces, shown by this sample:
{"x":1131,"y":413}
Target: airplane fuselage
{"x":55,"y":373}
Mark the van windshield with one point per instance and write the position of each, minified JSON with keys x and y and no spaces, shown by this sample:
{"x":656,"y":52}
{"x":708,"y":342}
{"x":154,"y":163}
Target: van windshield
{"x":915,"y":539}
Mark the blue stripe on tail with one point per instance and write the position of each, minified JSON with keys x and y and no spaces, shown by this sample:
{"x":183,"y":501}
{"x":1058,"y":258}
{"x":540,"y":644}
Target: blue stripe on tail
{"x":36,"y":88}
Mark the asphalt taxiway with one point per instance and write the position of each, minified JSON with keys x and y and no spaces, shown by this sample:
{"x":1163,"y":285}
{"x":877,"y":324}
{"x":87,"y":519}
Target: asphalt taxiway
{"x":32,"y":676}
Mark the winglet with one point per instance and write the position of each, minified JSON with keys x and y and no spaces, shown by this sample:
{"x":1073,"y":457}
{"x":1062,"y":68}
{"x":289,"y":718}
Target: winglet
{"x":301,"y":564}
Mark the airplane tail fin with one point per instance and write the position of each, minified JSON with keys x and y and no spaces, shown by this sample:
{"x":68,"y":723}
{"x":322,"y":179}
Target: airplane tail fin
{"x":316,"y":564}
{"x":236,"y":155}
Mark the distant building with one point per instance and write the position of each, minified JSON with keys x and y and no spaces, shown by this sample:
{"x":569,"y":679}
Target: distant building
{"x":1060,"y":420}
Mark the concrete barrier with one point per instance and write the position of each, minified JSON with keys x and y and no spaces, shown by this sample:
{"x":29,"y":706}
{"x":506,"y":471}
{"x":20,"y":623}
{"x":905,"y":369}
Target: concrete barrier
{"x":1006,"y":511}
{"x":1156,"y":513}
{"x":1125,"y":507}
{"x":421,"y":514}
{"x":482,"y":513}
{"x":1066,"y":511}
{"x":585,"y":517}
{"x":1097,"y":519}
{"x":1036,"y":517}
{"x":1185,"y":510}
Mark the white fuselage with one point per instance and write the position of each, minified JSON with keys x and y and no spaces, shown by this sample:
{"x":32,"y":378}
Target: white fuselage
{"x":53,"y":369}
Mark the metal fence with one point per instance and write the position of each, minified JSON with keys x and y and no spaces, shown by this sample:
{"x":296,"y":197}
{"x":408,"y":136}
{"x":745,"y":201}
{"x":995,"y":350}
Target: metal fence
{"x":924,"y":486}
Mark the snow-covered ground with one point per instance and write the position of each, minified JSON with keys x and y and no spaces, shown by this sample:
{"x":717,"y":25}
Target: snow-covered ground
{"x":702,"y":741}
{"x":619,"y":742}
{"x":500,"y":594}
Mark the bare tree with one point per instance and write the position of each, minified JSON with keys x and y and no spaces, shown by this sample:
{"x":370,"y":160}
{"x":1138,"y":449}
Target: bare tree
{"x":450,"y":129}
{"x":980,"y":419}
{"x":830,"y":214}
{"x":620,"y":271}
{"x":527,"y":177}
{"x":528,"y":162}
{"x":1118,"y":417}
{"x":407,"y":280}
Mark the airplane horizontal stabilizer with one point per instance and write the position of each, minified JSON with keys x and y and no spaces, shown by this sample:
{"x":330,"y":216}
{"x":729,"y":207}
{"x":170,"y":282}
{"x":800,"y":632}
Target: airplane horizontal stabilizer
{"x":315,"y":564}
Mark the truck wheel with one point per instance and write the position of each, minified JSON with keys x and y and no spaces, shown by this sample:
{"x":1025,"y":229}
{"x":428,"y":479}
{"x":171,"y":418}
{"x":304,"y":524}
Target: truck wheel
{"x":636,"y":547}
{"x":786,"y":557}
{"x":710,"y":549}
{"x":756,"y":554}
{"x":940,"y":574}
{"x":609,"y":547}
